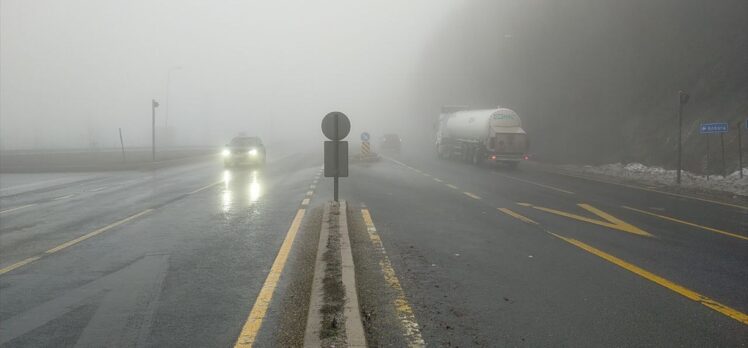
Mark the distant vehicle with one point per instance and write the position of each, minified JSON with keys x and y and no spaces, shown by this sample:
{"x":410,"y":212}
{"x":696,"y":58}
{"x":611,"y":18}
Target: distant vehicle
{"x":481,"y":136}
{"x":390,"y":143}
{"x":244,"y":151}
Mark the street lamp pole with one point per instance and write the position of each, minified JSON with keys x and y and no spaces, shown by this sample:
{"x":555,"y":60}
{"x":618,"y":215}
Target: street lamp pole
{"x":154,"y":105}
{"x":682,"y":100}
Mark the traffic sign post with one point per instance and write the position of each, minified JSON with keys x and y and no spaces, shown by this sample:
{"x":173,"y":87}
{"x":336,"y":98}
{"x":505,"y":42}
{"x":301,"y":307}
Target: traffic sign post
{"x":706,"y":166}
{"x":724,"y":164}
{"x":365,"y":147}
{"x":740,"y":149}
{"x":710,"y":128}
{"x":154,"y":105}
{"x":336,"y":126}
{"x":682,"y":100}
{"x":719,"y":128}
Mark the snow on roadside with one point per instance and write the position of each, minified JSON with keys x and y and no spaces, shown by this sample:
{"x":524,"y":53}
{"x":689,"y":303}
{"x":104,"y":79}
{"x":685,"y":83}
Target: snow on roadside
{"x":658,"y":175}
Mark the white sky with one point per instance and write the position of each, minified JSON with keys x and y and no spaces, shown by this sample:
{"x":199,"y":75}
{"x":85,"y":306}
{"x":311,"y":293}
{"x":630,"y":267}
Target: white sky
{"x":73,"y":71}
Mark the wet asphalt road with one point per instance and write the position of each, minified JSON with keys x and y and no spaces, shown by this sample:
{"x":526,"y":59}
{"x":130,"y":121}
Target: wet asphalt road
{"x":189,"y":251}
{"x":477,"y":276}
{"x":185,"y":272}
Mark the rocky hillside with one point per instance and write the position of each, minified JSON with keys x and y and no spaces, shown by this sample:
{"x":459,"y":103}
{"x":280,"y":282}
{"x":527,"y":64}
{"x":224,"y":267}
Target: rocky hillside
{"x":596,"y":81}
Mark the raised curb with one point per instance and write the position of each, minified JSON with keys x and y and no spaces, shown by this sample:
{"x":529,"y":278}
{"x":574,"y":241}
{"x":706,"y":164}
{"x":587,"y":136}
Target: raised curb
{"x":314,"y":316}
{"x":354,"y":328}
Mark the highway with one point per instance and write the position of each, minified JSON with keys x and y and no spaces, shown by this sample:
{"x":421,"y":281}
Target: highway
{"x":174,"y":257}
{"x":447,"y":254}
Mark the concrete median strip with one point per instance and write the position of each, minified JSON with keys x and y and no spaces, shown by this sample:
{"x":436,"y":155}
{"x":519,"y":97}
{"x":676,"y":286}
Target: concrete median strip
{"x":334,"y":317}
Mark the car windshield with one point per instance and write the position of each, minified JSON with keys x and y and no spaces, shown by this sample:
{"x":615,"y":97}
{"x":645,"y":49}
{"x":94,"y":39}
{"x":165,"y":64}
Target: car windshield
{"x":245,"y":142}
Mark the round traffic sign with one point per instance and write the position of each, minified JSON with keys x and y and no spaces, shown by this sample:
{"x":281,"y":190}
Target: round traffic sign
{"x":365,"y":136}
{"x":336,"y":125}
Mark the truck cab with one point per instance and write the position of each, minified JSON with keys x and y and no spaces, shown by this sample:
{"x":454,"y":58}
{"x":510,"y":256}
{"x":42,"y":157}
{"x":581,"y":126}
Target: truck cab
{"x":507,"y":141}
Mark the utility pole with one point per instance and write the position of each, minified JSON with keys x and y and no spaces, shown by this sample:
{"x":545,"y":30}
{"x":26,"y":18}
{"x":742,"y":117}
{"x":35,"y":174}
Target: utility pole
{"x":122,"y":144}
{"x":682,"y":100}
{"x":154,"y":105}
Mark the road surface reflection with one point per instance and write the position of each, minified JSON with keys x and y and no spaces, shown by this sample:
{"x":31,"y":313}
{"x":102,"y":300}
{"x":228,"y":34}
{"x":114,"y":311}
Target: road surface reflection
{"x":242,"y":188}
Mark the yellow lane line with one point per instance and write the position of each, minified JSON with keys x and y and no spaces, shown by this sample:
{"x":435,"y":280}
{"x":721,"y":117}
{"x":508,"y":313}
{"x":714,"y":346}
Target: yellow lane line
{"x":690,"y":294}
{"x":536,"y":184}
{"x":517,"y":216}
{"x":71,"y":242}
{"x":620,"y":224}
{"x":472,"y":195}
{"x":402,"y":307}
{"x":94,"y":233}
{"x":610,"y":221}
{"x":653,"y":190}
{"x":259,"y":309}
{"x":453,"y":186}
{"x":19,"y":264}
{"x":734,"y":235}
{"x":205,"y":187}
{"x":17,"y":208}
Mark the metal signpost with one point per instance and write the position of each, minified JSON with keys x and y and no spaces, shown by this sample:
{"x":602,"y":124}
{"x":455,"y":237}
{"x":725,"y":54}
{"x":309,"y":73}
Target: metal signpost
{"x":122,"y":144}
{"x":365,"y":146}
{"x":740,"y":149}
{"x":682,"y":100}
{"x":154,"y":105}
{"x":721,"y":128}
{"x":717,"y":127}
{"x":336,"y":126}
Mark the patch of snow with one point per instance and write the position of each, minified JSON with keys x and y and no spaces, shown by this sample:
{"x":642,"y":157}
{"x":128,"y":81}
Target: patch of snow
{"x":657,"y":175}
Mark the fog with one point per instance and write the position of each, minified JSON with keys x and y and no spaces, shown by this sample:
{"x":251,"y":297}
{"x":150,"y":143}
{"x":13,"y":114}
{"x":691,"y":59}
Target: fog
{"x":597,"y":81}
{"x":73,"y":72}
{"x":594,"y":81}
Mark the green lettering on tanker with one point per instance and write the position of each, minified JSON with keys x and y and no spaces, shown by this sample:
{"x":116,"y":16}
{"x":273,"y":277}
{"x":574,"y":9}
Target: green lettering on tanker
{"x":502,"y":117}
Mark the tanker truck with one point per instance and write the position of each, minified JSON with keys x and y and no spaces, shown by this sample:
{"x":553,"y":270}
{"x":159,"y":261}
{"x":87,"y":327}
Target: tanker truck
{"x":489,"y":136}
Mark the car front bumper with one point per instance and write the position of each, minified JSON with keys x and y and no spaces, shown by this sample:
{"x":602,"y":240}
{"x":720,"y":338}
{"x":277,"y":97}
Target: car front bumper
{"x":239,"y":160}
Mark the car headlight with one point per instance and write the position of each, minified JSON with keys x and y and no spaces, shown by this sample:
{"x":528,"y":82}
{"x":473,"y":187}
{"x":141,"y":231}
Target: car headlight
{"x":252,"y":152}
{"x":225,"y":153}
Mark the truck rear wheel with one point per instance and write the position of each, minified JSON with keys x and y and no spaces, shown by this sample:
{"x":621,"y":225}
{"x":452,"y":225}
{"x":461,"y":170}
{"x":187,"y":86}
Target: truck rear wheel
{"x":477,"y":159}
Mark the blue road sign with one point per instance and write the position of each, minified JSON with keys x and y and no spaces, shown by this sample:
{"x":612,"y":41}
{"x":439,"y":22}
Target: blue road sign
{"x":365,"y":136}
{"x":719,"y":127}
